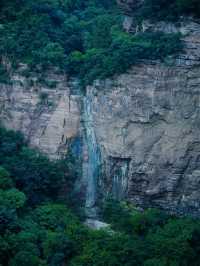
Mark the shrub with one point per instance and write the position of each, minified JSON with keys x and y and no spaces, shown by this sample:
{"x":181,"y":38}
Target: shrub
{"x":34,"y":174}
{"x":5,"y":180}
{"x":82,"y":38}
{"x":168,"y":9}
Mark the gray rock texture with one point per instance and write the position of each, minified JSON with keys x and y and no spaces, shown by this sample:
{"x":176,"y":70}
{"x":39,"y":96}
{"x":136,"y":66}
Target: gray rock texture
{"x":142,"y":129}
{"x":48,"y":117}
{"x":148,"y":130}
{"x":147,"y":125}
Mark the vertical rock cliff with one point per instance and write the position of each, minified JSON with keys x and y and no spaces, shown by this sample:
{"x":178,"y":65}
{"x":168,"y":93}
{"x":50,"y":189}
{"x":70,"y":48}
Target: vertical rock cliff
{"x":147,"y":126}
{"x":140,"y":131}
{"x":48,"y":116}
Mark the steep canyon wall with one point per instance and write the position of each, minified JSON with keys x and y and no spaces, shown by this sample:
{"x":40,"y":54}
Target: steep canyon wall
{"x":140,"y":131}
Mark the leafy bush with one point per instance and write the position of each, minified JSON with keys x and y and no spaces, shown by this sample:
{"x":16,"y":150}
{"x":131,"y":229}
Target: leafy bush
{"x":5,"y":180}
{"x":82,"y":38}
{"x":12,"y":198}
{"x":32,"y":172}
{"x":47,"y":233}
{"x":168,"y":9}
{"x":167,"y":240}
{"x":25,"y":258}
{"x":123,"y":52}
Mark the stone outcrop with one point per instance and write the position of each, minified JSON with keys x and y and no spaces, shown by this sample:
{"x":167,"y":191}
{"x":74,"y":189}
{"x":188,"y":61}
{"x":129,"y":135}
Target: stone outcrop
{"x":147,"y":127}
{"x":48,"y":117}
{"x":148,"y":130}
{"x":140,"y":131}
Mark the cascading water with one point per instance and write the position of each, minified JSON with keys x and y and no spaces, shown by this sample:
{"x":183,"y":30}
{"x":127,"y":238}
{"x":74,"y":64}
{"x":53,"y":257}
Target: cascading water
{"x":91,"y":158}
{"x":119,"y":175}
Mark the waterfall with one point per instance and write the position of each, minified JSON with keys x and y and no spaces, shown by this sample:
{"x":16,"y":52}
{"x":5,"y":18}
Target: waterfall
{"x":91,"y":161}
{"x":119,"y":175}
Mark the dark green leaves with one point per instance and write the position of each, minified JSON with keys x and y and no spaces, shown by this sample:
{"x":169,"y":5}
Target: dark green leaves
{"x":82,"y":38}
{"x":170,"y":10}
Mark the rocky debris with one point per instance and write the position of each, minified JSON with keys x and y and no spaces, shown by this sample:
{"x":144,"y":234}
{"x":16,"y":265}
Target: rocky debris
{"x":96,"y":224}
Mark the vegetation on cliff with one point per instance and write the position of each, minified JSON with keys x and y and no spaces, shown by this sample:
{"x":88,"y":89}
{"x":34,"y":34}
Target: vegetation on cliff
{"x":170,"y":10}
{"x":81,"y":37}
{"x":38,"y":226}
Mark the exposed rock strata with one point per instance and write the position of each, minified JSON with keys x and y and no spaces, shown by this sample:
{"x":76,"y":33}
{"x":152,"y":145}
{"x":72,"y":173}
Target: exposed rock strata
{"x":148,"y":130}
{"x":49,"y":117}
{"x":145,"y":124}
{"x":147,"y":127}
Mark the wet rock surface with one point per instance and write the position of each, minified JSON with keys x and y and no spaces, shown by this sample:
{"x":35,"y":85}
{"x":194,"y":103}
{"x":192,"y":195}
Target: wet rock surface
{"x":147,"y":127}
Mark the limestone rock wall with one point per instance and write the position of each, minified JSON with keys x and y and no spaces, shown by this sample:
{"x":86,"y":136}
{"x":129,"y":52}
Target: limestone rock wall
{"x":147,"y":124}
{"x":48,"y":117}
{"x":149,"y":133}
{"x":140,"y":130}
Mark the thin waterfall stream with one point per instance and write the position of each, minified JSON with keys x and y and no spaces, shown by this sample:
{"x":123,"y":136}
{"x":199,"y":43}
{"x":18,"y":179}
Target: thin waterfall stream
{"x":92,"y":162}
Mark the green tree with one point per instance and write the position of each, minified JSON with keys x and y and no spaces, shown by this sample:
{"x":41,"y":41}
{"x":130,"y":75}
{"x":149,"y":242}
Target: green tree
{"x":24,"y":258}
{"x":5,"y":180}
{"x":12,"y":198}
{"x":58,"y":248}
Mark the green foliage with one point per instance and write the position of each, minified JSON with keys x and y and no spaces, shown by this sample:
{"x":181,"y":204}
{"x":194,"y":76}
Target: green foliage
{"x":8,"y":219}
{"x":40,"y":238}
{"x":123,"y":52}
{"x":82,"y":37}
{"x":24,"y":258}
{"x":31,"y":236}
{"x":111,"y":250}
{"x":58,"y":248}
{"x":167,"y":240}
{"x":151,"y":219}
{"x":47,"y":233}
{"x":5,"y":179}
{"x":33,"y":173}
{"x":172,"y":241}
{"x":125,"y":217}
{"x":168,"y":9}
{"x":12,"y":198}
{"x":51,"y":216}
{"x":51,"y":54}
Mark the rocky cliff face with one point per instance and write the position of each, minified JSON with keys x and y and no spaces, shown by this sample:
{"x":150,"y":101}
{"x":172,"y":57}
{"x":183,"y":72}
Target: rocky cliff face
{"x":147,"y":127}
{"x":148,"y":131}
{"x":140,"y":131}
{"x":48,"y":117}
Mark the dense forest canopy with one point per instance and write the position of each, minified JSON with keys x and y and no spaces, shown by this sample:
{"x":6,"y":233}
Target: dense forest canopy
{"x":170,"y":10}
{"x":41,"y":227}
{"x":81,"y":37}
